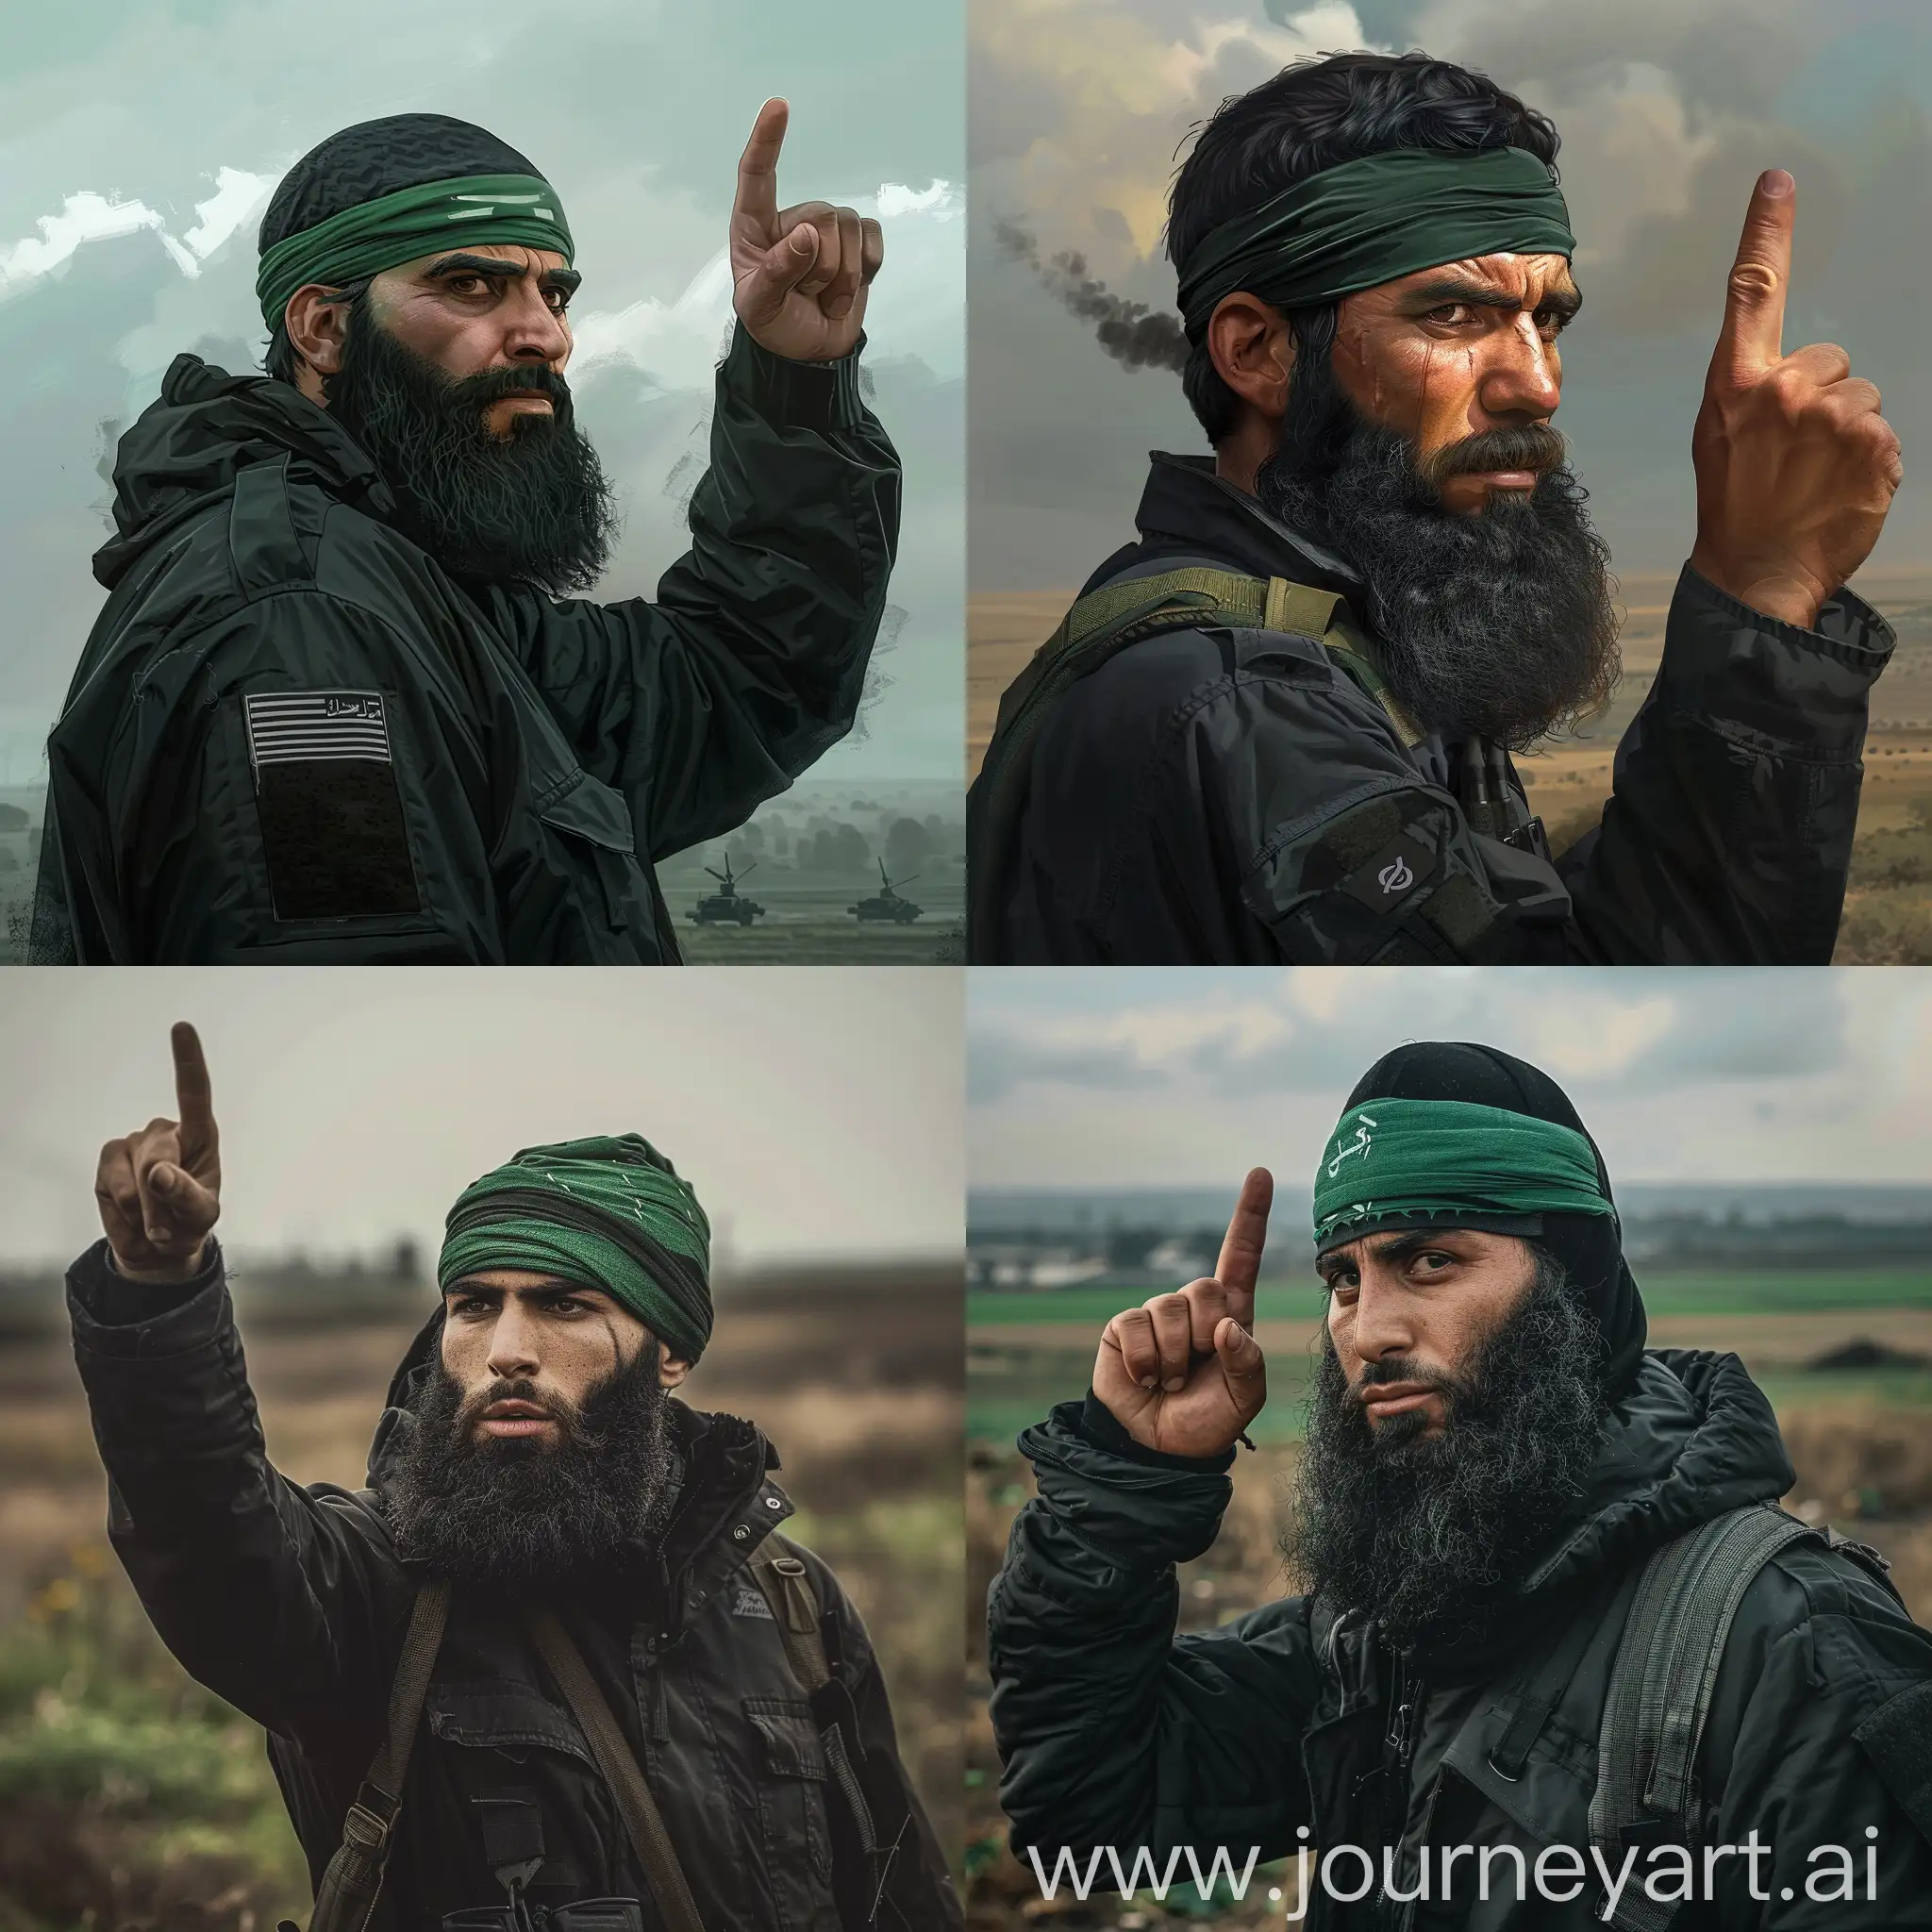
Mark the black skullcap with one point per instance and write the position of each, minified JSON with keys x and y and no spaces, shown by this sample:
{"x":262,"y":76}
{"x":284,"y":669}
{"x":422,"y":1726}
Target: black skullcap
{"x":376,"y":157}
{"x":1590,"y":1246}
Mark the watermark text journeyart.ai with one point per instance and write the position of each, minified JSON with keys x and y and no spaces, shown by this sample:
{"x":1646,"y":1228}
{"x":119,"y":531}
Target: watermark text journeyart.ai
{"x":1666,"y":1873}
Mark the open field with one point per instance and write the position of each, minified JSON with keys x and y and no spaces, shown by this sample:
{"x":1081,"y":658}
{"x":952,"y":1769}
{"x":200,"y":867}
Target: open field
{"x":1861,"y":1442}
{"x":1889,"y":905}
{"x":129,"y":1798}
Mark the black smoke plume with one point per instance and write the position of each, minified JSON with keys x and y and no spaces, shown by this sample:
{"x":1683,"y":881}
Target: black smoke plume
{"x":1134,"y":334}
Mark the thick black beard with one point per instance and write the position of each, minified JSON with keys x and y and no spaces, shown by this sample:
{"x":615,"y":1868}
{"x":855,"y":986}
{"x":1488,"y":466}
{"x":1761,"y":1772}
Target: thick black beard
{"x":512,"y":1513}
{"x":533,"y":507}
{"x":1431,"y":1535}
{"x":1498,"y":624}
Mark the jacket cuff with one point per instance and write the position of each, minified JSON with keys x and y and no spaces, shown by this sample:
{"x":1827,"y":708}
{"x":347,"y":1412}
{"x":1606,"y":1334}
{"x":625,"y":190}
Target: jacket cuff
{"x":1140,"y":1514}
{"x":798,"y":395}
{"x":114,"y":1316}
{"x":1773,"y":684}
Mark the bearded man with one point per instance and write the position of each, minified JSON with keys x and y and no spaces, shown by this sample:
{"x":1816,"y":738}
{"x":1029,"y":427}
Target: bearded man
{"x":343,"y":705}
{"x":556,"y":1659}
{"x":1494,"y":1464}
{"x":1279,"y":726}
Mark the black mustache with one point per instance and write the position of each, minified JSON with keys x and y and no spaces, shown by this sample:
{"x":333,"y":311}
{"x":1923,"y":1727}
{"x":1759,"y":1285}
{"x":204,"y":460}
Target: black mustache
{"x":1530,"y":446}
{"x":523,"y":378}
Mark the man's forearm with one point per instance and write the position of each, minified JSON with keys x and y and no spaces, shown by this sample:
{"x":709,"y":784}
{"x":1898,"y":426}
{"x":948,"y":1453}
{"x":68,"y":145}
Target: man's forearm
{"x":1728,"y":836}
{"x":255,"y":1591}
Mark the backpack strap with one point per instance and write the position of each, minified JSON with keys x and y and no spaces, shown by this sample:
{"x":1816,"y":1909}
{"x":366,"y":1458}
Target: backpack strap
{"x":643,"y":1824}
{"x":793,"y":1598}
{"x":1662,"y":1685}
{"x":1103,"y":623}
{"x":346,"y":1898}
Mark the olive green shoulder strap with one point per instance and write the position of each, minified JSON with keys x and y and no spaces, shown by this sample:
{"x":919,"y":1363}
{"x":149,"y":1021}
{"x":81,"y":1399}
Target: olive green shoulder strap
{"x":794,"y":1605}
{"x":1106,"y":620}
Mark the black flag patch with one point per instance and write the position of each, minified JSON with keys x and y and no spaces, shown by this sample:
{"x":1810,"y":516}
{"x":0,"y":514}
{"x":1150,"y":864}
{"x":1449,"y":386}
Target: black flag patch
{"x":331,"y":816}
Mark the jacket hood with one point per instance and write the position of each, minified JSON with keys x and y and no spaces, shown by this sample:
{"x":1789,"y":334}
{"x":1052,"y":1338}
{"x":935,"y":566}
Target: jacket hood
{"x":725,"y":1461}
{"x":185,"y":450}
{"x":1695,"y":1437}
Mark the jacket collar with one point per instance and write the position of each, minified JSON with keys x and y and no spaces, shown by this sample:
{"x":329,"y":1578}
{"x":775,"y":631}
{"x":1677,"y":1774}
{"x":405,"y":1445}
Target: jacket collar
{"x":1185,"y":505}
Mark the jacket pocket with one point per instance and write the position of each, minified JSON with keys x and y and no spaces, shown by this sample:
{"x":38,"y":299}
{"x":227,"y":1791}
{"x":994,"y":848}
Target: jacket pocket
{"x":792,"y":1779}
{"x":593,"y":825}
{"x":504,"y":1717}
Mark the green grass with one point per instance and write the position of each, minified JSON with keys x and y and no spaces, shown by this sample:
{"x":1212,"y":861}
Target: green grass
{"x":1706,"y":1291}
{"x":151,"y":1789}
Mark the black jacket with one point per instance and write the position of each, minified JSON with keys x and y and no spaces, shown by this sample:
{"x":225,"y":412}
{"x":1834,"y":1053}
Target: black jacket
{"x":1232,"y":797}
{"x":516,"y":764}
{"x":290,"y":1603}
{"x":1113,"y":1731}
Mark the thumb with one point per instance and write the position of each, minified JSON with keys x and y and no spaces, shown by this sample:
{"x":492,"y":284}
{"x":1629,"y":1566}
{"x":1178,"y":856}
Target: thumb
{"x":1241,"y":1362}
{"x":781,"y":267}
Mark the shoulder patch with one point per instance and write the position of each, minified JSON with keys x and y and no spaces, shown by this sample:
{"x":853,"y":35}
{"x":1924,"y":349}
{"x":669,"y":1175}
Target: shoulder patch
{"x":285,"y":726}
{"x":332,"y":826}
{"x":1388,"y":876}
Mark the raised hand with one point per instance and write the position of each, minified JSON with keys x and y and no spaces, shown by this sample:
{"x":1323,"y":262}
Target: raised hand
{"x":799,"y":275}
{"x":1183,"y":1373}
{"x":160,"y":1190}
{"x":1796,"y":468}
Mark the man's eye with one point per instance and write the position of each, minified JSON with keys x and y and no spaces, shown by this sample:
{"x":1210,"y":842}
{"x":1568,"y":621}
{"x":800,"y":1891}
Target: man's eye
{"x":467,"y":285}
{"x":558,"y":299}
{"x":473,"y":1304}
{"x":1449,"y":314}
{"x":1551,"y":321}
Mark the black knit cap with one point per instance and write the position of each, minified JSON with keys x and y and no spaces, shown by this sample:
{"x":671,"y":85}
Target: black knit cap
{"x":376,"y":157}
{"x":1590,"y":1246}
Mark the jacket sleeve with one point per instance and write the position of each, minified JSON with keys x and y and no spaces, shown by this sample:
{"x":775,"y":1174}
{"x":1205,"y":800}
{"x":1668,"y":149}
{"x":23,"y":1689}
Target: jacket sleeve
{"x":280,"y":1599}
{"x":752,"y":662}
{"x":918,"y":1883}
{"x":212,"y":855}
{"x":1727,"y":838}
{"x":1111,"y":1730}
{"x":1820,"y":1736}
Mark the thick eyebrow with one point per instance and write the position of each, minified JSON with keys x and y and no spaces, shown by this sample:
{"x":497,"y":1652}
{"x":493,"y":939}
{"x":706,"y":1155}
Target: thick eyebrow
{"x":549,"y":1292}
{"x":1565,"y":302}
{"x":1395,"y":1247}
{"x":568,"y":279}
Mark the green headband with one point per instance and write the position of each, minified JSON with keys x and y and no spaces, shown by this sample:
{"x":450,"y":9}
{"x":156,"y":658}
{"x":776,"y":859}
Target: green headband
{"x":395,"y":228}
{"x":1404,"y":1161}
{"x":607,"y":1212}
{"x":1372,"y":221}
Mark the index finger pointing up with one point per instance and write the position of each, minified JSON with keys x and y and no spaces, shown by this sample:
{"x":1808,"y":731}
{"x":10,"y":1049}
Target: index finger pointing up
{"x":1247,"y":1234}
{"x":757,"y":168}
{"x":194,"y":1101}
{"x":1753,"y":334}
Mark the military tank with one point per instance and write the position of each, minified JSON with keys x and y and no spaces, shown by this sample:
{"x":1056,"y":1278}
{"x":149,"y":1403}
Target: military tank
{"x":885,"y":903}
{"x":727,"y":906}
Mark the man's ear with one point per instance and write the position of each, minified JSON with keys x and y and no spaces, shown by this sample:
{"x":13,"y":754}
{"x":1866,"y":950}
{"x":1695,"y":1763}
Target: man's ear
{"x":672,"y":1369}
{"x":1253,"y":351}
{"x":318,"y":325}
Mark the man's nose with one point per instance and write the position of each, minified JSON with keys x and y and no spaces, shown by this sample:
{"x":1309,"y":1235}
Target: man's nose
{"x":1382,"y":1327}
{"x":535,"y":332}
{"x":512,"y":1345}
{"x":1522,"y":378}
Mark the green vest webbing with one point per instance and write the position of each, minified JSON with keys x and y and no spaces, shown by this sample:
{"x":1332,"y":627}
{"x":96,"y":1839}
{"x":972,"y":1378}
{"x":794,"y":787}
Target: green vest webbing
{"x":1194,"y":597}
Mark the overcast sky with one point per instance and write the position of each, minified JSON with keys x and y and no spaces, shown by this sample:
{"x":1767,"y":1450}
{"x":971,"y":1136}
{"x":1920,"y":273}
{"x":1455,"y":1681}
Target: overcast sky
{"x":139,"y":145}
{"x":1668,"y":110}
{"x":1186,"y":1077}
{"x":817,"y":1111}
